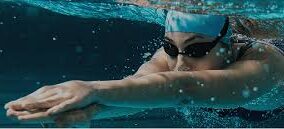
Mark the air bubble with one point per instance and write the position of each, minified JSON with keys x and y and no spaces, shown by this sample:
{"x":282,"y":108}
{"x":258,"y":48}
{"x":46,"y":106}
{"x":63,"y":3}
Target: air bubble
{"x":217,"y":54}
{"x":38,"y":83}
{"x":63,"y":76}
{"x":198,"y":82}
{"x":212,"y":99}
{"x":222,"y":50}
{"x":246,"y":93}
{"x":229,"y":52}
{"x":228,"y":61}
{"x":261,"y":50}
{"x":255,"y":89}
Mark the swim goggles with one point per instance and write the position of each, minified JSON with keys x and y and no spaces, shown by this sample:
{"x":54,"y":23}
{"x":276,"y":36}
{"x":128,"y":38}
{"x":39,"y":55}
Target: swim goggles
{"x":196,"y":50}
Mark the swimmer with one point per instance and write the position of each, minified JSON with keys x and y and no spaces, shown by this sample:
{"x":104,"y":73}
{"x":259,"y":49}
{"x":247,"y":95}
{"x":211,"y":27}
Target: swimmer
{"x":197,"y":63}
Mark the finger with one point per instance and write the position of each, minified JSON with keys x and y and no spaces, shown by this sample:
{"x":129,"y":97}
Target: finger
{"x":13,"y":113}
{"x":35,"y":94}
{"x":17,"y":104}
{"x":31,"y":104}
{"x":9,"y":114}
{"x":62,"y":107}
{"x":7,"y":105}
{"x":39,"y":116}
{"x":46,"y":103}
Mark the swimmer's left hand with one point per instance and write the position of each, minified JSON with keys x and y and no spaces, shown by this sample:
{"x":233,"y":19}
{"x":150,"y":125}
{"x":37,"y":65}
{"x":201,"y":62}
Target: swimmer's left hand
{"x":64,"y":119}
{"x":55,"y":99}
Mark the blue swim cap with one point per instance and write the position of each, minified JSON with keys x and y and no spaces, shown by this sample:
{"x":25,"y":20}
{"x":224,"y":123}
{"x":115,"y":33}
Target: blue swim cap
{"x":209,"y":25}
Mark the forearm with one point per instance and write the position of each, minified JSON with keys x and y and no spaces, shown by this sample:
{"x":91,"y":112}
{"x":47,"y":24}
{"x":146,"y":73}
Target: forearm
{"x":148,"y":91}
{"x":170,"y":89}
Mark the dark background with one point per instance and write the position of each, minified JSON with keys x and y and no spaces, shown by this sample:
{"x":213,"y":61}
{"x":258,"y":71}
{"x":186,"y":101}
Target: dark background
{"x":39,"y":47}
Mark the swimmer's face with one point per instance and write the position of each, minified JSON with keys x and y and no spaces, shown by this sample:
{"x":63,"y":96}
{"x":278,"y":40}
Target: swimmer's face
{"x":214,"y":59}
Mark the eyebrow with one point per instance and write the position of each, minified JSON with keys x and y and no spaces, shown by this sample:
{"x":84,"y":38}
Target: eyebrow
{"x":192,"y":38}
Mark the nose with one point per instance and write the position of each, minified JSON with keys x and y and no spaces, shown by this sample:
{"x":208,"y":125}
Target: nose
{"x":181,"y":64}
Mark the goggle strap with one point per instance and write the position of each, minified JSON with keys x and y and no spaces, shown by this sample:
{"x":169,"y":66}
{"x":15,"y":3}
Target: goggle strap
{"x":223,"y":31}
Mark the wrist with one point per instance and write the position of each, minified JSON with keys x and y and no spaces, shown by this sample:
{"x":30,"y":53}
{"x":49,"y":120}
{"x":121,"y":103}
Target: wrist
{"x":103,"y":89}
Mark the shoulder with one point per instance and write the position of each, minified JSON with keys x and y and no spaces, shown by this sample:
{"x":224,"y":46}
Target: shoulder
{"x":265,"y":53}
{"x":262,"y":51}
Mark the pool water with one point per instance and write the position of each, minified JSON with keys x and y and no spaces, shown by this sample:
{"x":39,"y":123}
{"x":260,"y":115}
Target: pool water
{"x":48,"y":42}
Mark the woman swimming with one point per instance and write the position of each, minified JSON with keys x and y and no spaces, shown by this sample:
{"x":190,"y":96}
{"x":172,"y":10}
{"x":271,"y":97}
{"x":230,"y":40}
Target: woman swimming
{"x":197,"y":63}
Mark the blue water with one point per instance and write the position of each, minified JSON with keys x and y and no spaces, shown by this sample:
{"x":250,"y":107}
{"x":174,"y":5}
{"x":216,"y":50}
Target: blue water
{"x":47,"y":42}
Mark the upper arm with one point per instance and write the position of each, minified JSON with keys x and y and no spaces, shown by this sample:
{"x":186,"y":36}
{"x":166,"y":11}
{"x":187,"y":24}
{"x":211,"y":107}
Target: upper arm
{"x":262,"y":59}
{"x":158,"y":63}
{"x":259,"y":70}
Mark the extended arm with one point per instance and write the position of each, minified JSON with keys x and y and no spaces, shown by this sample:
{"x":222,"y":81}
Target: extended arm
{"x":225,"y":88}
{"x":211,"y":88}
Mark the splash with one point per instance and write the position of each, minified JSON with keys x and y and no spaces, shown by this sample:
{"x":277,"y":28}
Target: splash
{"x":204,"y":118}
{"x":257,"y":9}
{"x":99,"y":10}
{"x":268,"y":13}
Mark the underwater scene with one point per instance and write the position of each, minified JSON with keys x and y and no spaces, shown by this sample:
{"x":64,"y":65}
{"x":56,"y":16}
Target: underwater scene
{"x":142,"y":63}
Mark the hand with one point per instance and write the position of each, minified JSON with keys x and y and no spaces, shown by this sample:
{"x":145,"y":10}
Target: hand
{"x":55,"y":99}
{"x":64,"y":119}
